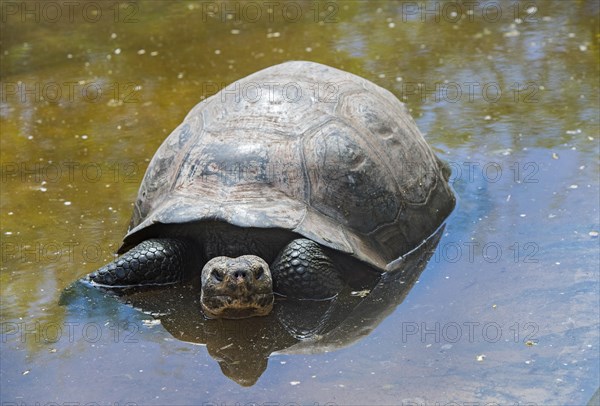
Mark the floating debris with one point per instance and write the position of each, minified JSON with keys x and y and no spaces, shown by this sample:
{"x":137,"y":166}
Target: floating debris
{"x":151,"y":322}
{"x":554,"y":155}
{"x":531,"y":10}
{"x":294,"y":383}
{"x":513,"y":32}
{"x":480,"y":357}
{"x":360,"y":293}
{"x":593,"y":234}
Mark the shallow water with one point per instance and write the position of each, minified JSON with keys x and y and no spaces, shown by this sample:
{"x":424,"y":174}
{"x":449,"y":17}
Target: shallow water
{"x":506,"y":311}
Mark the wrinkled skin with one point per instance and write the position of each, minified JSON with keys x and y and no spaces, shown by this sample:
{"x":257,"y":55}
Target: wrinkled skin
{"x":236,"y":287}
{"x":232,"y":287}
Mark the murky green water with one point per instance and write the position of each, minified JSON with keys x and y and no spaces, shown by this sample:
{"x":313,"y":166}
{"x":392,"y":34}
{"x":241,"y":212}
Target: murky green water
{"x":506,"y":310}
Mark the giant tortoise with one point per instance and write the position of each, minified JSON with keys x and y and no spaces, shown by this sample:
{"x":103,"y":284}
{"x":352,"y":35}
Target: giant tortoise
{"x":282,"y":182}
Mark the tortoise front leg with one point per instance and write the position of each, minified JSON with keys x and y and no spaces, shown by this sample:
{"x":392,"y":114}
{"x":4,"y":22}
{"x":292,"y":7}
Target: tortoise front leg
{"x":304,"y":270}
{"x":157,"y":261}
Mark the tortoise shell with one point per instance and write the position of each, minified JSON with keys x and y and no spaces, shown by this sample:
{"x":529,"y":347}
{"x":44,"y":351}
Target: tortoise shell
{"x":307,"y":148}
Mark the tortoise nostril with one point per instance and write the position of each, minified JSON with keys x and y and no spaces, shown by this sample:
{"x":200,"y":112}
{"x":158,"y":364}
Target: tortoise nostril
{"x":240,"y":274}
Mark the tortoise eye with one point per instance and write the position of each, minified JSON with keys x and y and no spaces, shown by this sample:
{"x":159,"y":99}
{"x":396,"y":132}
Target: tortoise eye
{"x":217,"y":274}
{"x":260,"y":272}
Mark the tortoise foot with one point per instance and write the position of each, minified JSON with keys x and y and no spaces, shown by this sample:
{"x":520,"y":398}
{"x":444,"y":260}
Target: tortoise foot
{"x":158,"y":261}
{"x":304,"y":270}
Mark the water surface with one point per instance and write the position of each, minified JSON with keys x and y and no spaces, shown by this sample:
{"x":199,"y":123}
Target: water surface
{"x":506,"y":310}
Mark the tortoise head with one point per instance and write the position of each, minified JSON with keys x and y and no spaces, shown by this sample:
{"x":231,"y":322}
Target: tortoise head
{"x":235,"y":288}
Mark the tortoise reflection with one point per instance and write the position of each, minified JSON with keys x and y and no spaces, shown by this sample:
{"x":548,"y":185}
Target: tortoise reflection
{"x":242,"y":347}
